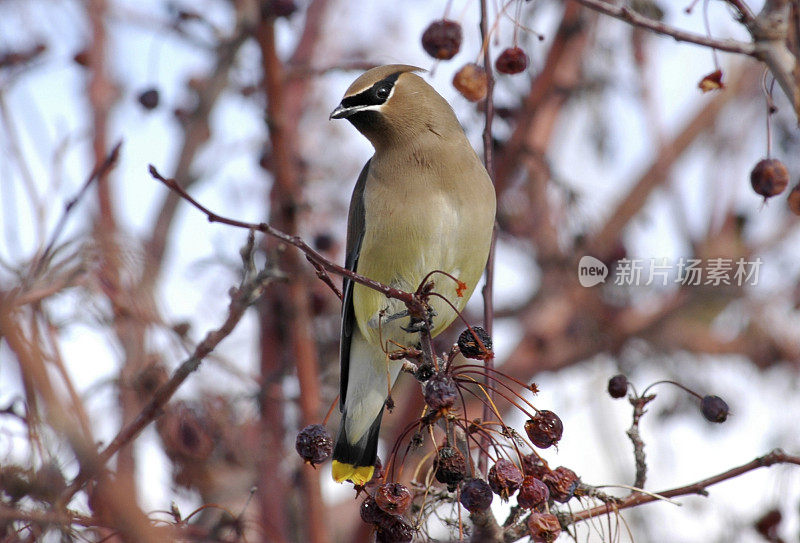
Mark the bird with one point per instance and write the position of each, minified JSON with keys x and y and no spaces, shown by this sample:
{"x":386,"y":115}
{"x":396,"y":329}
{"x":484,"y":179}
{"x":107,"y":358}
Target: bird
{"x":423,"y":203}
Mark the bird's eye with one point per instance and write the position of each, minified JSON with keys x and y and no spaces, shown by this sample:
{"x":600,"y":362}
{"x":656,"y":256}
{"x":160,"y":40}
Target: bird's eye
{"x":382,"y":92}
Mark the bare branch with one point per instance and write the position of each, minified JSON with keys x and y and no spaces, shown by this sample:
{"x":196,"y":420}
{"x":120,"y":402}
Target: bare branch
{"x":296,"y":241}
{"x":638,"y":404}
{"x":626,"y":14}
{"x":100,"y":171}
{"x":776,"y":456}
{"x":241,"y":299}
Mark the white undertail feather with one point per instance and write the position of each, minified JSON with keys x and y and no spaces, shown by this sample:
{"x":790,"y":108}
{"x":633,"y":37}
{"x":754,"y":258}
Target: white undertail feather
{"x":367,"y":385}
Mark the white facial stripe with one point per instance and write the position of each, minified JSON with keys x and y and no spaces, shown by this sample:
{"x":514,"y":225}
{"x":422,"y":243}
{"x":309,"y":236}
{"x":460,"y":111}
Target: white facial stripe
{"x":359,"y":91}
{"x":378,"y":107}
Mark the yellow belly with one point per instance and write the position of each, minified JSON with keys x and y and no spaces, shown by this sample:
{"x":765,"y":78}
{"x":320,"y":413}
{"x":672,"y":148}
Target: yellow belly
{"x":402,"y":257}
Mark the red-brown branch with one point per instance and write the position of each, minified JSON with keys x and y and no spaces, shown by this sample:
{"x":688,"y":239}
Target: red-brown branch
{"x":290,"y":333}
{"x":295,"y":241}
{"x":776,"y":456}
{"x":240,"y":301}
{"x":626,"y":14}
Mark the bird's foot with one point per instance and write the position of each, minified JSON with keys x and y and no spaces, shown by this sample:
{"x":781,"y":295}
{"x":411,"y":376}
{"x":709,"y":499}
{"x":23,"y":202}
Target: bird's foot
{"x":417,"y":325}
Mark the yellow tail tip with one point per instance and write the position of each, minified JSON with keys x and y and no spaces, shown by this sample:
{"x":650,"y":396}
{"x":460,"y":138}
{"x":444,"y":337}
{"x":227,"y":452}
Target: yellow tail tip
{"x":359,"y":475}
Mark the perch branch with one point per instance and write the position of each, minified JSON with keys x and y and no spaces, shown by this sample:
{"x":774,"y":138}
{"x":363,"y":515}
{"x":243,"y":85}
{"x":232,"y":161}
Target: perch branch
{"x":295,"y":241}
{"x":776,"y":456}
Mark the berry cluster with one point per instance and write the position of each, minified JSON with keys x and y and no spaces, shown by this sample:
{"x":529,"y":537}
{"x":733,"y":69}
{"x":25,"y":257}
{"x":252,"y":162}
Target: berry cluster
{"x":442,"y":40}
{"x":713,"y":408}
{"x":514,"y":473}
{"x":384,"y":511}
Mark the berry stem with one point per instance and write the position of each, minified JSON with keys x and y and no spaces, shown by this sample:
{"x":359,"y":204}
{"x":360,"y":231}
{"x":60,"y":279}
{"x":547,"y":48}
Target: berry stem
{"x":447,"y":9}
{"x":669,"y":382}
{"x":505,"y":376}
{"x":330,"y":410}
{"x":770,"y":109}
{"x":493,"y":407}
{"x":708,"y":34}
{"x":500,"y":382}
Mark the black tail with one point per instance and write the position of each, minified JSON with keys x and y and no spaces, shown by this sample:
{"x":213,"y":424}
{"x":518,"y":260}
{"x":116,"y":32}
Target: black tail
{"x":362,"y":453}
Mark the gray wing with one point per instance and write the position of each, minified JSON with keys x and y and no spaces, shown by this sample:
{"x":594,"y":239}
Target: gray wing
{"x":355,"y":234}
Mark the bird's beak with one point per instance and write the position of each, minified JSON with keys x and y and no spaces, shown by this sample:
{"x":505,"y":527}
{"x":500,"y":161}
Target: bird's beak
{"x":340,"y":112}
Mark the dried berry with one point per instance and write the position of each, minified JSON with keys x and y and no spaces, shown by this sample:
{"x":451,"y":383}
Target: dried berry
{"x":543,"y":527}
{"x":314,"y":444}
{"x":186,"y":433}
{"x":769,"y":524}
{"x":618,"y":386}
{"x":393,"y":498}
{"x":533,"y":465}
{"x":82,"y":57}
{"x":476,"y":495}
{"x":505,"y":478}
{"x":472,"y":82}
{"x":440,"y":392}
{"x":544,"y":429}
{"x":562,"y":483}
{"x":394,"y":529}
{"x":533,"y":493}
{"x":265,"y":160}
{"x":370,"y":512}
{"x":149,"y":379}
{"x":450,"y":466}
{"x":511,"y":61}
{"x":714,"y":409}
{"x":794,"y":200}
{"x":471,"y":348}
{"x":324,"y":242}
{"x":769,"y":177}
{"x":442,"y":39}
{"x":149,"y":99}
{"x":278,"y":8}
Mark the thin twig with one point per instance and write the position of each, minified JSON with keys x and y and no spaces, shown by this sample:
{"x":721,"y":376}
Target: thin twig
{"x":295,"y":241}
{"x":241,"y":299}
{"x":776,"y":456}
{"x":99,"y":171}
{"x":626,"y":14}
{"x":488,"y":289}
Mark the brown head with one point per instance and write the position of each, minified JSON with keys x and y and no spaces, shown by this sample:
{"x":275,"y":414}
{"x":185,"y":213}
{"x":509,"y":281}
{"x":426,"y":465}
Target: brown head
{"x":392,"y":104}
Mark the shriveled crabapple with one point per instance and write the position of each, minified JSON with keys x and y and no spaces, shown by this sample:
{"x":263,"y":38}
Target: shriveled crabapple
{"x":544,"y":429}
{"x":442,"y":39}
{"x":769,"y":177}
{"x":450,"y":466}
{"x":505,"y":478}
{"x":472,"y":82}
{"x":476,"y":495}
{"x":314,"y":444}
{"x":512,"y":60}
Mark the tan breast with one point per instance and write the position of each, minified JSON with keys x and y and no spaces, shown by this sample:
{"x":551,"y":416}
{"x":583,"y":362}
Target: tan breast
{"x":431,"y":215}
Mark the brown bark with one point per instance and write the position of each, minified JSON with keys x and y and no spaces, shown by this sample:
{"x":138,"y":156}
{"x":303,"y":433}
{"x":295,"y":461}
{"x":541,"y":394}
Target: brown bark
{"x":287,"y":336}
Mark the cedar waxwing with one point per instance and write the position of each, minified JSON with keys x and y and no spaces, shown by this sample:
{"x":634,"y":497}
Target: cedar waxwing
{"x":423,"y":202}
